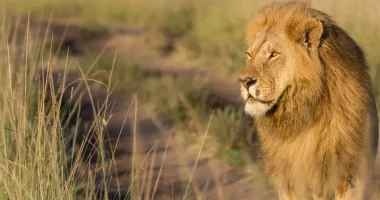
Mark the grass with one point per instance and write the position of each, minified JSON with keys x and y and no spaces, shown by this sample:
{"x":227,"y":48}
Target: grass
{"x":35,"y":161}
{"x":32,"y":155}
{"x":212,"y":34}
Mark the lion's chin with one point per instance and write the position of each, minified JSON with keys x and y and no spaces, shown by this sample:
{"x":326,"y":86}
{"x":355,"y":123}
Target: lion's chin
{"x":256,"y":109}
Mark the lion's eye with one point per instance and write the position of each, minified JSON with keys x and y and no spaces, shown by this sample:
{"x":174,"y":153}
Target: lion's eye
{"x":249,"y":56}
{"x":273,"y":54}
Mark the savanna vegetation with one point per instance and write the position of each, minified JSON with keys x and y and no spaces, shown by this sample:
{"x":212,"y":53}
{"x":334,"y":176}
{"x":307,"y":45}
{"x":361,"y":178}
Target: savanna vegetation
{"x":193,"y":36}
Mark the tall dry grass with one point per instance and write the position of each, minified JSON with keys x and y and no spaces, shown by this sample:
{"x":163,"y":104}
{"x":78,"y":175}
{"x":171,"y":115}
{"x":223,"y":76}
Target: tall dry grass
{"x":38,"y":159}
{"x":33,"y":161}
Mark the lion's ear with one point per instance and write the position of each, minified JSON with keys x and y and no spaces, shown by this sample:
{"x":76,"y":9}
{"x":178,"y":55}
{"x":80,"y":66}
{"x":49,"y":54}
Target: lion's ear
{"x":309,"y":32}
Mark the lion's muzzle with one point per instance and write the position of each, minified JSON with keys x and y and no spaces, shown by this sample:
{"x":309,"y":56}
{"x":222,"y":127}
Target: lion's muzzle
{"x":247,"y":82}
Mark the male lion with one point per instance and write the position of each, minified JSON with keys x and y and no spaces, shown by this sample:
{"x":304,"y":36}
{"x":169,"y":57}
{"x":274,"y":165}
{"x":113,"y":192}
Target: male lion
{"x":307,"y":85}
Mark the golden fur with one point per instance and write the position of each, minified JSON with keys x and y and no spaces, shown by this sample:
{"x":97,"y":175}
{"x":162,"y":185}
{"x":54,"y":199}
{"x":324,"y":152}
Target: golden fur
{"x":307,"y":85}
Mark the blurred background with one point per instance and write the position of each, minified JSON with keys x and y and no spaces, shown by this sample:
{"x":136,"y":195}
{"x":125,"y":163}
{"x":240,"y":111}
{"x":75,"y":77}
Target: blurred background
{"x":131,"y":99}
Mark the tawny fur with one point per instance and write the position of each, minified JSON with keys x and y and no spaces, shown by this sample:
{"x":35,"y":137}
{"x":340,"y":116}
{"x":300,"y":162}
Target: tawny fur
{"x":319,"y":138}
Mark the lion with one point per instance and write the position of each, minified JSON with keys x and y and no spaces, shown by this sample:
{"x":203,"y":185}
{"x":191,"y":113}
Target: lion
{"x":307,"y":86}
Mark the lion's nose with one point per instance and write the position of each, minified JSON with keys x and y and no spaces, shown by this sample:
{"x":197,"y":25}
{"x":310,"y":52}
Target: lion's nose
{"x":247,"y":82}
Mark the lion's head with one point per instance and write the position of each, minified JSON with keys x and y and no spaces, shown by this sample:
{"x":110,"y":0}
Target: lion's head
{"x":280,"y":54}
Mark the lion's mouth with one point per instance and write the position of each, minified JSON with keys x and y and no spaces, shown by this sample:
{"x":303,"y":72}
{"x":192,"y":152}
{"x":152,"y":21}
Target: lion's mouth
{"x":251,"y":99}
